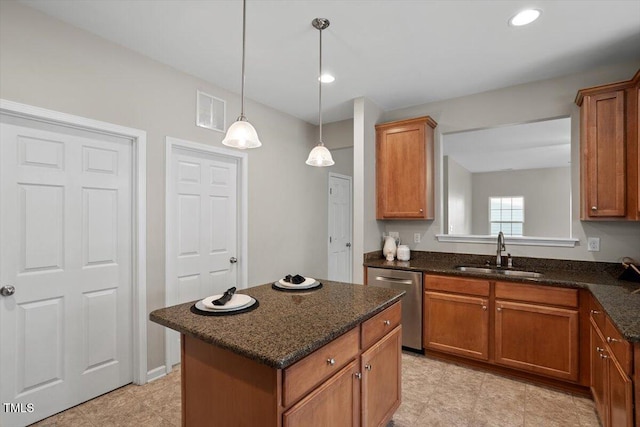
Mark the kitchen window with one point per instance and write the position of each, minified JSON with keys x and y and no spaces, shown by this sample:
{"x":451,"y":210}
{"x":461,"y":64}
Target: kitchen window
{"x":506,"y":214}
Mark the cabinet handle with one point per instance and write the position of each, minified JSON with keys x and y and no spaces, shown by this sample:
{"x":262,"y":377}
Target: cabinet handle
{"x":484,"y":307}
{"x":603,"y":356}
{"x":499,"y":309}
{"x":421,"y":211}
{"x":331,"y":362}
{"x":609,"y":340}
{"x":594,"y":208}
{"x":358,"y":375}
{"x":599,"y":349}
{"x":595,"y":312}
{"x":387,"y":322}
{"x":367,"y":367}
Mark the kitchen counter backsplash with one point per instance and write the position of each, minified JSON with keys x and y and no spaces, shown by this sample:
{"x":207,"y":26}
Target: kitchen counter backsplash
{"x":601,"y":278}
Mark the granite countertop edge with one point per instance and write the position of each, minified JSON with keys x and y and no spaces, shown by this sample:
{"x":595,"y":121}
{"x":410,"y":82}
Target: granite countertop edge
{"x":254,"y":354}
{"x":614,"y":295}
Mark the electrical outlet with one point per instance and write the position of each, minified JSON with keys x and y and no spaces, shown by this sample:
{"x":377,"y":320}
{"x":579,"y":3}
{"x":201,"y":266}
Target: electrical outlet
{"x":416,"y":238}
{"x":394,"y":234}
{"x":593,"y":244}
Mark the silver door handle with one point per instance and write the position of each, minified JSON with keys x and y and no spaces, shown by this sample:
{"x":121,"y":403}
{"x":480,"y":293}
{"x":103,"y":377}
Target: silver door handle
{"x":8,"y":290}
{"x":233,"y":260}
{"x":392,"y":280}
{"x":348,"y":245}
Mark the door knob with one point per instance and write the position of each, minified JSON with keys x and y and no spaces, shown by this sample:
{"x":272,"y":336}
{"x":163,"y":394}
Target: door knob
{"x":8,"y":290}
{"x":233,"y":260}
{"x":348,"y":245}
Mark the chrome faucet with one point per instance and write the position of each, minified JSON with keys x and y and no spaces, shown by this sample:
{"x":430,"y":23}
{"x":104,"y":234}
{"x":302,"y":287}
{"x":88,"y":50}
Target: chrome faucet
{"x":501,"y":248}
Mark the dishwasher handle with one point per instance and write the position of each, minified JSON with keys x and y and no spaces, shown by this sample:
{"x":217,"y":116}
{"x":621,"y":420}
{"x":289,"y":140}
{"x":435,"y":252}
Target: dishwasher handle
{"x":392,"y":280}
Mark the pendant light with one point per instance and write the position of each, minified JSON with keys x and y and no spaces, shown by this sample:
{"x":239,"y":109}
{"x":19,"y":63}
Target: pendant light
{"x":241,"y":134}
{"x":320,"y":156}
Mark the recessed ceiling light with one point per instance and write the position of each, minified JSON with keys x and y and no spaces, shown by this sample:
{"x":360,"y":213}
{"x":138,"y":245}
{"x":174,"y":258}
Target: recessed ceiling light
{"x":525,"y":17}
{"x":327,"y":78}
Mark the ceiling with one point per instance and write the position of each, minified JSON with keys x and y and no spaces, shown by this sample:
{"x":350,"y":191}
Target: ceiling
{"x":537,"y":145}
{"x":397,"y":53}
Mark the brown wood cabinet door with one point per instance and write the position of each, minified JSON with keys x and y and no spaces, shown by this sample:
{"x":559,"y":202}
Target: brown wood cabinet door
{"x":620,"y":396}
{"x":405,"y":169}
{"x":381,"y":379}
{"x":402,"y":167}
{"x":598,"y":383}
{"x":457,"y":324}
{"x":538,"y":339}
{"x":334,"y":403}
{"x":604,"y":155}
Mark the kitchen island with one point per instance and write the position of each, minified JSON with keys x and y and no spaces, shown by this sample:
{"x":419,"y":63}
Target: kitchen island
{"x":323,"y":357}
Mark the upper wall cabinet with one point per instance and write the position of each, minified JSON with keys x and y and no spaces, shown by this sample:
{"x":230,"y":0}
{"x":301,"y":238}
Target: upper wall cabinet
{"x":404,"y":169}
{"x":610,"y":159}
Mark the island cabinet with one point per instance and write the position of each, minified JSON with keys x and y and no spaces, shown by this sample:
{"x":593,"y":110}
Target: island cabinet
{"x":529,"y":328}
{"x":456,"y":316}
{"x":610,"y":157}
{"x":405,"y":169}
{"x":611,"y":369}
{"x":354,"y":380}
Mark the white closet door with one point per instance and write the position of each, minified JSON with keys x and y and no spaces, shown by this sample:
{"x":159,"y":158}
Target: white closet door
{"x":65,"y":233}
{"x":204,"y":232}
{"x":340,"y":213}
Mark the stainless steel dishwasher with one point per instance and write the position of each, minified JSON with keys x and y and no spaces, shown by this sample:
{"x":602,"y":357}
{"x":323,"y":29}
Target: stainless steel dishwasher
{"x":411,"y":282}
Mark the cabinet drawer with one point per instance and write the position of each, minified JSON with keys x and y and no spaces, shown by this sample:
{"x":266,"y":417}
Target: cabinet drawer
{"x":535,"y":293}
{"x":380,"y":324}
{"x":458,"y":285}
{"x":620,"y":347}
{"x":307,"y":373}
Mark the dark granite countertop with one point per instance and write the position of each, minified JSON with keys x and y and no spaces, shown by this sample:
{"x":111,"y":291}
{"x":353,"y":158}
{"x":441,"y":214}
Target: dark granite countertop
{"x":600,"y":278}
{"x":287,"y":326}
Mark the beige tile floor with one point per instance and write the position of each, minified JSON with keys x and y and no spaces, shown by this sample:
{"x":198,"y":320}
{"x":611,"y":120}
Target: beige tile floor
{"x":434,"y":394}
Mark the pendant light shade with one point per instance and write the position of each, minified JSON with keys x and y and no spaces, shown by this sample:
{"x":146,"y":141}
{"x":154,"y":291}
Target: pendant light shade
{"x":241,"y":134}
{"x":320,"y":156}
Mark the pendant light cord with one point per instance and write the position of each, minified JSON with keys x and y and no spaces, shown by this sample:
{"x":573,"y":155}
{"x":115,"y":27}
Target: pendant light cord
{"x":244,"y":36}
{"x":320,"y":89}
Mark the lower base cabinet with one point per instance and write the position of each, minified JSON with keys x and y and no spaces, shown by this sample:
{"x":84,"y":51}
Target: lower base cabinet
{"x":335,"y":403}
{"x":538,"y":339}
{"x":365,"y":393}
{"x":457,"y":324}
{"x":531,"y":328}
{"x":611,"y":384}
{"x":381,"y":380}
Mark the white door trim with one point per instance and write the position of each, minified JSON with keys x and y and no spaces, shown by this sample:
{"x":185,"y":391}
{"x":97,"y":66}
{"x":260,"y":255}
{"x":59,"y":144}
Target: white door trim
{"x":350,"y":179}
{"x":242,"y":161}
{"x":139,"y":263}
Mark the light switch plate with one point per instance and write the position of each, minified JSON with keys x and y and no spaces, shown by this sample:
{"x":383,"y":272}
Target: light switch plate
{"x":416,"y":238}
{"x":593,"y":244}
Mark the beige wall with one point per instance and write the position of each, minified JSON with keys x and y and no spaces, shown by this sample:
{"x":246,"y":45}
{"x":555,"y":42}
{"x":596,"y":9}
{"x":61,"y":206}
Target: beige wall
{"x":518,"y":104}
{"x":46,"y":63}
{"x":546,"y":192}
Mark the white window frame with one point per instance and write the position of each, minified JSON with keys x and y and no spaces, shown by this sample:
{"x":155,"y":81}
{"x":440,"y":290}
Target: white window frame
{"x":501,"y":198}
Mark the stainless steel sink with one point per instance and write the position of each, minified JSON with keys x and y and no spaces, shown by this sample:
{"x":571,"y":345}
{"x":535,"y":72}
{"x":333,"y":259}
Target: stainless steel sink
{"x":504,"y":272}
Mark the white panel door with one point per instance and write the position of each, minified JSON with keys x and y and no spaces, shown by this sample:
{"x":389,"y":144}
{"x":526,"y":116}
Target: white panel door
{"x":340,"y":207}
{"x":203,"y":236}
{"x":65,"y":246}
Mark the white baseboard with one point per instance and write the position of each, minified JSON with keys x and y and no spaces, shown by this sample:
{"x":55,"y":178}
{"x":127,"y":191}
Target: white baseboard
{"x":156,"y":373}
